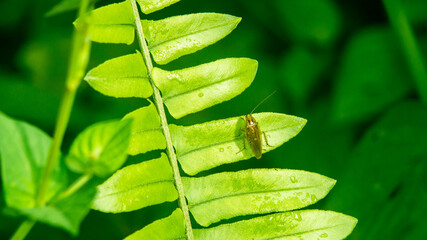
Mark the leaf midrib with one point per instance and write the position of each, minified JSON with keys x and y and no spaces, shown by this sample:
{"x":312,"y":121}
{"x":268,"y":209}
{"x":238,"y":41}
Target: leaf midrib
{"x":219,"y":143}
{"x":147,"y":130}
{"x":133,"y":188}
{"x":152,"y":47}
{"x":206,"y":85}
{"x":91,"y":78}
{"x":254,"y":192}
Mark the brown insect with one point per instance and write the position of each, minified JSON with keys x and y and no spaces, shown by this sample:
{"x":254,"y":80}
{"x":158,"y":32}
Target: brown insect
{"x":253,"y":132}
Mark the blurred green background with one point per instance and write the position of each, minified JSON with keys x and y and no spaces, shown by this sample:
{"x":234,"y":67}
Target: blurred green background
{"x":338,"y":64}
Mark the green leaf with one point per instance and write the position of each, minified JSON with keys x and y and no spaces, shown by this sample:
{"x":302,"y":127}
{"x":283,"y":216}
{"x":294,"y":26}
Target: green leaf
{"x":137,"y":186}
{"x":171,"y":227}
{"x":204,"y":146}
{"x":66,"y":213}
{"x":315,"y":21}
{"x":300,"y":71}
{"x":253,"y":191}
{"x":173,"y":37}
{"x":113,"y":23}
{"x":23,"y":152}
{"x":149,"y":6}
{"x":392,"y":157}
{"x":124,"y":76}
{"x":371,"y":78}
{"x":194,"y":89}
{"x":101,"y":148}
{"x":306,"y":224}
{"x":146,"y":130}
{"x":415,"y":11}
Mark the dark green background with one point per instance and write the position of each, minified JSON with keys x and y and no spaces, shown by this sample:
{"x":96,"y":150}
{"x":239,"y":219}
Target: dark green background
{"x":336,"y":63}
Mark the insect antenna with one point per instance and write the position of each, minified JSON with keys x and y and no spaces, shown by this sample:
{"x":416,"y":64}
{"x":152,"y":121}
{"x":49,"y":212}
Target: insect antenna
{"x":271,"y":94}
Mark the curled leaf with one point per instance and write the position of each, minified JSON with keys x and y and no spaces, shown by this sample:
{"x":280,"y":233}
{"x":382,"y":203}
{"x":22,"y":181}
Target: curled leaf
{"x":173,"y":37}
{"x":146,"y":133}
{"x":194,"y":89}
{"x":124,"y":76}
{"x":253,"y":191}
{"x":137,"y":186}
{"x":204,"y":146}
{"x":101,"y":148}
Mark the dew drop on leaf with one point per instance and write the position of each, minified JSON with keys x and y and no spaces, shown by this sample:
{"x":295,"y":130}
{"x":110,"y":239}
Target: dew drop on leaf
{"x":324,"y":235}
{"x":221,"y":149}
{"x":293,"y":179}
{"x":297,"y":217}
{"x":201,"y":94}
{"x":313,"y":198}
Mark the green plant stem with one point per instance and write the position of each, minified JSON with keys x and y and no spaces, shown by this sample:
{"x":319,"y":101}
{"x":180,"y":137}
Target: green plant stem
{"x":401,"y":25}
{"x":77,"y":66}
{"x":79,"y":183}
{"x":160,"y":107}
{"x":23,"y":229}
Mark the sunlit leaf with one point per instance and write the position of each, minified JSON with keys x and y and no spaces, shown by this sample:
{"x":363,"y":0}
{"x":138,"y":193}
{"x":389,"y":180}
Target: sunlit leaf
{"x":23,"y":152}
{"x":171,"y":227}
{"x":253,"y":191}
{"x":146,"y":131}
{"x":194,"y":89}
{"x":173,"y":37}
{"x":66,"y":213}
{"x":372,"y":76}
{"x":113,"y":23}
{"x":149,"y":6}
{"x":137,"y":186}
{"x":101,"y":148}
{"x":204,"y":146}
{"x":124,"y":76}
{"x":307,"y":224}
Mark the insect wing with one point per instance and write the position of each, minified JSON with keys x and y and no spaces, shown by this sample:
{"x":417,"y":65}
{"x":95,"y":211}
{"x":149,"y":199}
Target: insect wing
{"x":253,"y":134}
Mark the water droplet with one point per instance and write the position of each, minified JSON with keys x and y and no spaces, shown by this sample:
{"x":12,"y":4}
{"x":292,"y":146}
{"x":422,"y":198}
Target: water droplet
{"x":229,"y":147}
{"x":293,"y":179}
{"x":201,"y":94}
{"x":313,"y":198}
{"x":324,"y":235}
{"x":221,"y":149}
{"x":297,"y":217}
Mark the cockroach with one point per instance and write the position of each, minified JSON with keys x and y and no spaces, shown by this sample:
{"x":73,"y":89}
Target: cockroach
{"x":253,"y":132}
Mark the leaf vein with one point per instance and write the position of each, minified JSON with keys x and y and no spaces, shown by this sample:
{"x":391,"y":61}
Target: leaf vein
{"x":205,"y":86}
{"x":133,"y":188}
{"x":152,"y":47}
{"x":253,"y":192}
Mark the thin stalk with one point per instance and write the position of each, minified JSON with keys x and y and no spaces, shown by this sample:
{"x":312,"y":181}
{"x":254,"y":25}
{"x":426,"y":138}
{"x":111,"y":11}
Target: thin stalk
{"x":77,"y":185}
{"x":77,"y":67}
{"x":159,"y":104}
{"x":23,"y":230}
{"x":402,"y":27}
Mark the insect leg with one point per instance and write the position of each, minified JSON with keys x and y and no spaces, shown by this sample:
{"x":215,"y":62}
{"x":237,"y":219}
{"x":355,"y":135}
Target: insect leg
{"x":244,"y":144}
{"x":265,"y":138}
